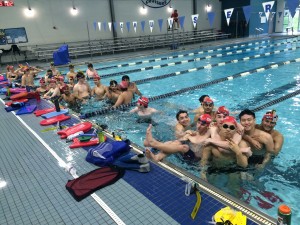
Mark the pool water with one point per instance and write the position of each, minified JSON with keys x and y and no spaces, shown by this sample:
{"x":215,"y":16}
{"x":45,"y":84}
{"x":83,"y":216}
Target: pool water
{"x":266,"y":190}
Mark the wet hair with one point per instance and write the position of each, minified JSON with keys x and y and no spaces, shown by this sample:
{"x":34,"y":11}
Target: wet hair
{"x":125,"y":77}
{"x":90,"y":65}
{"x":71,"y":66}
{"x":113,"y":82}
{"x":48,"y":71}
{"x":202,"y":98}
{"x":180,"y":112}
{"x":246,"y":112}
{"x":52,"y":64}
{"x":80,"y":75}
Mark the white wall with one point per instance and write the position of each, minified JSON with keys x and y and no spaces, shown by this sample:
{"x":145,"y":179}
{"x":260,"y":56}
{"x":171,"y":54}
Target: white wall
{"x":203,"y":22}
{"x":50,"y":13}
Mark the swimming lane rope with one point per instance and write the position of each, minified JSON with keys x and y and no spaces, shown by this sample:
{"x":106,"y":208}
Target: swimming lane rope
{"x":197,"y":53}
{"x":208,"y":66}
{"x":198,"y":59}
{"x":276,"y":101}
{"x":183,"y":90}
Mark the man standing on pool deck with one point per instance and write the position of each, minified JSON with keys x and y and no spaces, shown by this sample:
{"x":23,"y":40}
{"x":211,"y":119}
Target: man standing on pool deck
{"x":247,"y":119}
{"x":267,"y":125}
{"x":190,"y":146}
{"x":132,"y":86}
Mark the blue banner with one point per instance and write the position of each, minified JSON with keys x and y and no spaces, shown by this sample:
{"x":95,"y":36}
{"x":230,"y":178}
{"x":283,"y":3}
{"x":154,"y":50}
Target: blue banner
{"x":160,"y":23}
{"x":128,"y":26}
{"x":181,"y":21}
{"x":292,"y":5}
{"x":211,"y":18}
{"x":115,"y":26}
{"x":104,"y":25}
{"x":95,"y":25}
{"x":143,"y":25}
{"x":247,"y":12}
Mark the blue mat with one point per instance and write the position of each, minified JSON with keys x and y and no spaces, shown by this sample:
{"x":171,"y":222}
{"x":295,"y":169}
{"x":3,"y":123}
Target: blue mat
{"x":52,"y":114}
{"x":26,"y":109}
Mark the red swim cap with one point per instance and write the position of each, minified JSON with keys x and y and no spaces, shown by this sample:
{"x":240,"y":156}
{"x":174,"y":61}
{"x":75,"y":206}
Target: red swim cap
{"x":124,"y":84}
{"x":42,"y":80}
{"x":9,"y":67}
{"x":223,"y":110}
{"x":205,"y":118}
{"x":143,"y":101}
{"x":230,"y":119}
{"x":271,"y":115}
{"x":95,"y":77}
{"x":208,"y":100}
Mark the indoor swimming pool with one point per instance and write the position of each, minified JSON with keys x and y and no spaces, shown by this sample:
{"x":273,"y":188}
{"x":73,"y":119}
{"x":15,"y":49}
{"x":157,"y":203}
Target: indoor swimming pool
{"x":254,"y":75}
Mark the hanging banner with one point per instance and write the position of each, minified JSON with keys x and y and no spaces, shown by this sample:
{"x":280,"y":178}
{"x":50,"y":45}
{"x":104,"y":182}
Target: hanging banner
{"x":151,"y":25}
{"x":128,"y":26}
{"x":104,"y":25}
{"x":115,"y":26}
{"x":134,"y":24}
{"x":286,"y":12}
{"x":121,"y":26}
{"x":279,"y":14}
{"x":267,"y":8}
{"x":99,"y":26}
{"x":143,"y":25}
{"x":170,"y":22}
{"x":195,"y":19}
{"x":292,"y":5}
{"x":228,"y":14}
{"x":95,"y":25}
{"x":247,"y":12}
{"x":181,"y":21}
{"x":273,"y":13}
{"x":160,"y":23}
{"x":109,"y":26}
{"x":211,"y":18}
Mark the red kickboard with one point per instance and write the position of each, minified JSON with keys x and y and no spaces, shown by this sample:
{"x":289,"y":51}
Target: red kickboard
{"x":43,"y":111}
{"x":85,"y":126}
{"x":78,"y":144}
{"x":19,"y":100}
{"x":19,"y":96}
{"x":54,"y":119}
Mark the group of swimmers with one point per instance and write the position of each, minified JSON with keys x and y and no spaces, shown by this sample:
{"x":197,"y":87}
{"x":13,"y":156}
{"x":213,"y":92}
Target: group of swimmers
{"x":74,"y":88}
{"x":218,"y":141}
{"x":214,"y":138}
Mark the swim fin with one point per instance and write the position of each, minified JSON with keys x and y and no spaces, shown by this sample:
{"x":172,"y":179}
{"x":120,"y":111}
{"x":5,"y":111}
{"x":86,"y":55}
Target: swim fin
{"x":143,"y":168}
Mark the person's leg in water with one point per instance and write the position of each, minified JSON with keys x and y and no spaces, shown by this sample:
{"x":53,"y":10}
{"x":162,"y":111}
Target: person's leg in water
{"x":165,"y":148}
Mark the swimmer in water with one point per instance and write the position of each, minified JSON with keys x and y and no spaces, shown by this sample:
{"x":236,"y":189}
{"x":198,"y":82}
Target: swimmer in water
{"x":144,"y":112}
{"x":190,"y":145}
